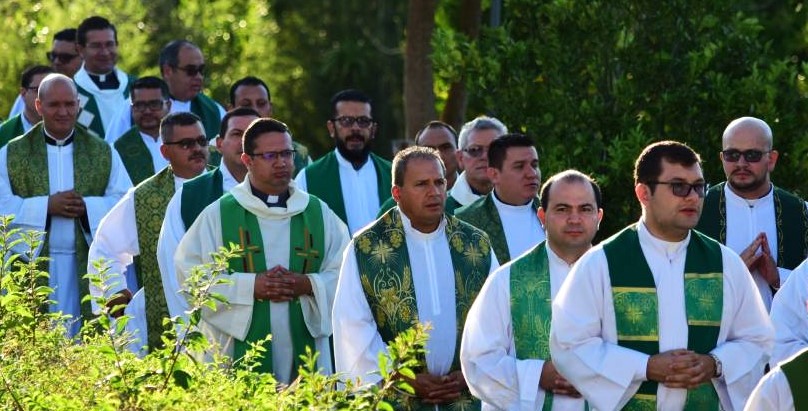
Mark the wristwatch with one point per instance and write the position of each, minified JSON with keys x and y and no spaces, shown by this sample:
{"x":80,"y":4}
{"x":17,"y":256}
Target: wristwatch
{"x":719,"y":369}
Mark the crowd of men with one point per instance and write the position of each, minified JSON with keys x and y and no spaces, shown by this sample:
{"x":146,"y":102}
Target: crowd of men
{"x":342,"y":254}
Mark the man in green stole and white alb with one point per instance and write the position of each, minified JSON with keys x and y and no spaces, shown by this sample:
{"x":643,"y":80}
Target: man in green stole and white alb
{"x":283,"y":283}
{"x":506,"y":340}
{"x":128,"y":233}
{"x":414,"y":264}
{"x":60,"y":179}
{"x":660,"y":316}
{"x":784,"y":388}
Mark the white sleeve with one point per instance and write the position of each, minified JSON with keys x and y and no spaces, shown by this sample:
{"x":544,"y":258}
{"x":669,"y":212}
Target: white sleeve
{"x":171,"y":233}
{"x":301,"y":182}
{"x":117,"y":185}
{"x":772,"y":393}
{"x":789,"y":315}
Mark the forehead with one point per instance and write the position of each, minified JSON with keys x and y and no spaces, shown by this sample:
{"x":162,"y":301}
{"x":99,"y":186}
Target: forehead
{"x":521,"y":154}
{"x":190,"y":131}
{"x":353,"y":108}
{"x":250,"y":91}
{"x":273,"y":141}
{"x":58,"y":90}
{"x":422,"y":169}
{"x":102,"y":35}
{"x":147,"y":94}
{"x":435,"y":136}
{"x":571,"y":193}
{"x":61,"y":46}
{"x":189,"y":54}
{"x":482,"y":137}
{"x":746,"y":137}
{"x":239,"y":122}
{"x":671,"y":171}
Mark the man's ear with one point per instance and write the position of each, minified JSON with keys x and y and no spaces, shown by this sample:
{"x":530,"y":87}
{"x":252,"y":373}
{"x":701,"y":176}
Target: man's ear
{"x":396,"y":192}
{"x":643,"y":193}
{"x":332,"y":131}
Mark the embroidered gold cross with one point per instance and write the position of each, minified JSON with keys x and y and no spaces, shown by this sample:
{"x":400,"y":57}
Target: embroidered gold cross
{"x":249,"y":250}
{"x":307,"y":251}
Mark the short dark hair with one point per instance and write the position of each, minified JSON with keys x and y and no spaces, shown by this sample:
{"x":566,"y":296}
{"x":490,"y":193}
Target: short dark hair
{"x":247,"y":81}
{"x":172,"y":120}
{"x":349,"y":95}
{"x":433,"y":125}
{"x":169,"y":55}
{"x":569,"y":176}
{"x":29,"y":73}
{"x":499,"y":148}
{"x":150,"y":82}
{"x":403,"y":157}
{"x":648,"y":166}
{"x":94,"y":23}
{"x":68,"y":34}
{"x":236,"y":112}
{"x":261,"y":126}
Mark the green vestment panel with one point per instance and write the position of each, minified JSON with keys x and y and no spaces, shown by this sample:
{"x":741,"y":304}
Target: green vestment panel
{"x":135,"y":156}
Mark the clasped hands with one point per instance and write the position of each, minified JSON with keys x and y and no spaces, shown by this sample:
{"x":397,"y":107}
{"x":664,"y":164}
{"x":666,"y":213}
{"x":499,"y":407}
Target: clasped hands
{"x":680,"y":368}
{"x":279,"y":284}
{"x":438,"y":389}
{"x":68,"y":204}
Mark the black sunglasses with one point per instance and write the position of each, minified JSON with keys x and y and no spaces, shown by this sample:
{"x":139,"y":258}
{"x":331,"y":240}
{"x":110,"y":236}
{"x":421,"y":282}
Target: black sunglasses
{"x":681,"y":189}
{"x":751,"y":156}
{"x":192,"y":70}
{"x":189,"y":143}
{"x":63,"y":58}
{"x":348,"y":121}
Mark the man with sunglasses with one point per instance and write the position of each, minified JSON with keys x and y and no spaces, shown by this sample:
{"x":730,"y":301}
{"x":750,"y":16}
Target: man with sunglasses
{"x":765,"y":224}
{"x":353,"y":181}
{"x":283,"y":284}
{"x":473,"y":182}
{"x":103,"y":87}
{"x":128,"y":233}
{"x":660,"y":316}
{"x":140,"y":147}
{"x":19,"y":124}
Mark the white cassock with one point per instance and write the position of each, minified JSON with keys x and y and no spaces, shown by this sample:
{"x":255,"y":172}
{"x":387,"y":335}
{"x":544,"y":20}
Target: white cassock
{"x":773,"y":393}
{"x":233,"y":321}
{"x":583,"y":339}
{"x":789,"y":315}
{"x":488,"y":353}
{"x":116,"y":241}
{"x":18,"y":106}
{"x":171,"y":232}
{"x":357,"y":341}
{"x":110,"y":102}
{"x":521,"y":226}
{"x":32,"y":214}
{"x":123,"y":121}
{"x":461,"y":191}
{"x":360,"y":192}
{"x":745,"y":220}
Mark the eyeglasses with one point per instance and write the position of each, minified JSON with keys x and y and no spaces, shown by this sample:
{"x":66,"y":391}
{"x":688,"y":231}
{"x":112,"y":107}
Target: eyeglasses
{"x":348,"y":121}
{"x":63,"y":58}
{"x":153,"y":105}
{"x":681,"y":189}
{"x":475,"y":151}
{"x":35,"y":89}
{"x":274,"y":155}
{"x":189,"y":143}
{"x":192,"y":70}
{"x":751,"y":156}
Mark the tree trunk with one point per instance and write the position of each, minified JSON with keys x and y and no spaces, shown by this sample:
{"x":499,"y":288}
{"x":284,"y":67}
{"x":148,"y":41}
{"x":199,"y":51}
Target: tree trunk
{"x":454,"y":112}
{"x":419,"y":93}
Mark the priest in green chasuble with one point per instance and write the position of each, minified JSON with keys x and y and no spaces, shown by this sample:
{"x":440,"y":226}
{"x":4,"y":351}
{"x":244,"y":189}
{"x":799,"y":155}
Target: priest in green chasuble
{"x":414,"y":264}
{"x":284,"y":280}
{"x":506,"y":341}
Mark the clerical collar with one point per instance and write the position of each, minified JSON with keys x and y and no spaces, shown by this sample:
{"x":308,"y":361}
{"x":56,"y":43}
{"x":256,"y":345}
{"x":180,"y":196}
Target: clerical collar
{"x":108,"y":81}
{"x":271,"y":200}
{"x":56,"y":142}
{"x":499,"y":200}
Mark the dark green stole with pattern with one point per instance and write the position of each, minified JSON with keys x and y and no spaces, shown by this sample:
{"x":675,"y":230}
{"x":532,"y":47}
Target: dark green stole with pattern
{"x":386,"y":276}
{"x":796,"y":371}
{"x":151,"y":199}
{"x":135,"y":155}
{"x":306,"y":248}
{"x":208,"y":111}
{"x":10,"y":129}
{"x":790,"y":218}
{"x":636,"y":306}
{"x":28,"y":173}
{"x":198,"y":193}
{"x":322,"y":180}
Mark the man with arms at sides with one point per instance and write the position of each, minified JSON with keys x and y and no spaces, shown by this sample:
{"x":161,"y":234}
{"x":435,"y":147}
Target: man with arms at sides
{"x":198,"y":193}
{"x":351,"y":180}
{"x":252,"y":92}
{"x":435,"y":266}
{"x":505,"y":352}
{"x":103,"y":88}
{"x":128,"y":233}
{"x":64,"y":59}
{"x":284,"y":282}
{"x":140,"y":147}
{"x":508,"y":214}
{"x":784,"y":387}
{"x":20,"y":123}
{"x":660,"y":316}
{"x":765,"y":224}
{"x":473,"y":182}
{"x":59,"y":179}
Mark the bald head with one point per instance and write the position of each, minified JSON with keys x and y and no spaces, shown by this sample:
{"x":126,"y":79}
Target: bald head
{"x":52,"y":79}
{"x":58,"y":104}
{"x":750,"y":125}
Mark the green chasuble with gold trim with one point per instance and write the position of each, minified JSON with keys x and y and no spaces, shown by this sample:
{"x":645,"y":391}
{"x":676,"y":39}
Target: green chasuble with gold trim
{"x":28,"y":173}
{"x":306,"y":251}
{"x":796,"y":372}
{"x":386,"y":277}
{"x":151,"y":199}
{"x":636,"y":306}
{"x":135,"y":155}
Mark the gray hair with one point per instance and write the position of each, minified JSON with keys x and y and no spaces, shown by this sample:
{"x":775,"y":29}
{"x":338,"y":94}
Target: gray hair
{"x":480,"y":123}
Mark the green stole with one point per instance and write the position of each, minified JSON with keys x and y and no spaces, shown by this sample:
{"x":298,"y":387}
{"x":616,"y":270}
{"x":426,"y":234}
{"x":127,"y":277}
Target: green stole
{"x":790,"y":217}
{"x":198,"y":193}
{"x":322,"y":179}
{"x":386,"y":206}
{"x":28,"y":174}
{"x":306,"y":248}
{"x":796,"y":372}
{"x":207,"y":110}
{"x":635,"y":304}
{"x":11,"y":128}
{"x":151,"y":199}
{"x":96,"y":125}
{"x":483,"y":214}
{"x":386,"y":277}
{"x":135,"y":155}
{"x":451,"y":205}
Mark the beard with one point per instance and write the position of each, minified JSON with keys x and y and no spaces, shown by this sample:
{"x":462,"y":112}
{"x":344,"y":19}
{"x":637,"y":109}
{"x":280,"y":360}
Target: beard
{"x":354,"y":156}
{"x":748,"y":186}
